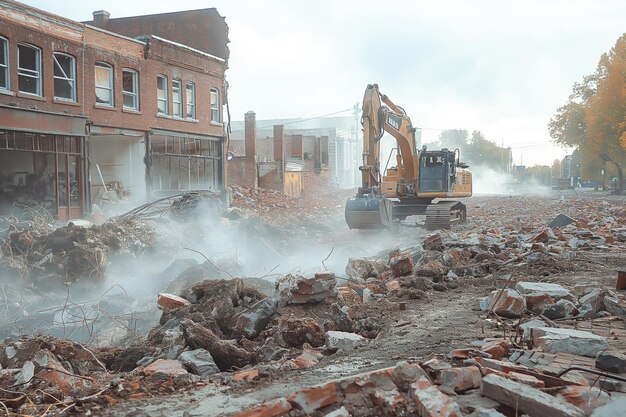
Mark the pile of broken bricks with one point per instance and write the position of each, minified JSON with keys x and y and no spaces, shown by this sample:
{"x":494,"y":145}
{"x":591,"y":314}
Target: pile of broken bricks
{"x":434,"y":388}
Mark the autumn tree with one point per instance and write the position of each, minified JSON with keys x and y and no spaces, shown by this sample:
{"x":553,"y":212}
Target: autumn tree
{"x":594,"y":117}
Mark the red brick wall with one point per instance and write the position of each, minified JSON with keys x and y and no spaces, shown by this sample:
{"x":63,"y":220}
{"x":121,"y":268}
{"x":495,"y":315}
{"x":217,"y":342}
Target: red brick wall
{"x":242,"y":171}
{"x":201,"y":29}
{"x":122,"y":53}
{"x":269,"y":177}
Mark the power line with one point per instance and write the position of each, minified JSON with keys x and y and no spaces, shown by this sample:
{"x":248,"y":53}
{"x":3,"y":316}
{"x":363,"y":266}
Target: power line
{"x":301,"y":120}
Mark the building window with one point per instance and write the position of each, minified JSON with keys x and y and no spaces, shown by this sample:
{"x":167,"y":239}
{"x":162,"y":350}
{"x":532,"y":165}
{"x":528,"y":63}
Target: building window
{"x":29,"y":69}
{"x":4,"y":63}
{"x":64,"y":76}
{"x":177,"y":98}
{"x":215,"y":105}
{"x":130,"y":87}
{"x":191,"y":100}
{"x":104,"y":84}
{"x":162,"y":94}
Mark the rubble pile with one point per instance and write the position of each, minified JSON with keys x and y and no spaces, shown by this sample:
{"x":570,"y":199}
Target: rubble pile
{"x":476,"y":387}
{"x":72,"y":252}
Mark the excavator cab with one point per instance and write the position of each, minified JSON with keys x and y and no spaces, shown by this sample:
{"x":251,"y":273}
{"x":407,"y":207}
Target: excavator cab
{"x":437,"y":171}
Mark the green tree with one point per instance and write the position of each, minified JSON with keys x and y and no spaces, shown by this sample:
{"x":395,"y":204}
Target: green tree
{"x":453,"y":139}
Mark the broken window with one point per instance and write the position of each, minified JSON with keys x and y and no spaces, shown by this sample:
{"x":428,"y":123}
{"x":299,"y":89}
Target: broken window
{"x":104,"y":84}
{"x":177,"y":98}
{"x":190,"y":92}
{"x":215,"y":105}
{"x":64,"y":76}
{"x":29,"y":69}
{"x":130,"y":88}
{"x":184,"y":163}
{"x":162,"y":94}
{"x":4,"y":63}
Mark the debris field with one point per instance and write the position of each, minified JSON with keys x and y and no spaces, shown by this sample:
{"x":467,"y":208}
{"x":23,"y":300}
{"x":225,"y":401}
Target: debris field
{"x":521,"y":311}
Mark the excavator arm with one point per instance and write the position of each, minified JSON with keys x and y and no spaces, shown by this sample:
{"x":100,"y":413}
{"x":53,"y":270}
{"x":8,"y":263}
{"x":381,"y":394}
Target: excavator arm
{"x":381,"y":115}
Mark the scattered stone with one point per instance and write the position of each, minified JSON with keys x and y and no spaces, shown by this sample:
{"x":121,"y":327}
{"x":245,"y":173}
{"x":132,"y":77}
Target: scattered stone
{"x":401,"y":264}
{"x":342,"y":319}
{"x":576,"y":342}
{"x":296,"y":332}
{"x":561,"y":220}
{"x":526,"y":399}
{"x":255,"y":318}
{"x":249,"y":375}
{"x":555,"y":291}
{"x":296,"y":289}
{"x":170,"y":302}
{"x":278,"y":407}
{"x":615,"y":306}
{"x":511,"y":303}
{"x":560,"y":310}
{"x":225,"y":354}
{"x":341,"y":412}
{"x":165,"y":366}
{"x":611,"y":362}
{"x":199,"y":362}
{"x":344,"y":340}
{"x":365,"y":268}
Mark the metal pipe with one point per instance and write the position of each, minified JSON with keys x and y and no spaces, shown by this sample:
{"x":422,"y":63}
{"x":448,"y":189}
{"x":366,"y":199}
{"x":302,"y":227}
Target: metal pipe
{"x":591,"y":371}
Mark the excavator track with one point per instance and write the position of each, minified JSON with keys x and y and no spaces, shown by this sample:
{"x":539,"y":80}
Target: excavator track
{"x":443,"y":214}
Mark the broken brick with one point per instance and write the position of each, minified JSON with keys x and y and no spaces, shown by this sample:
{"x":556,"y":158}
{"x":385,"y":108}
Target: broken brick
{"x":460,"y":379}
{"x":585,"y":398}
{"x":275,"y":408}
{"x":314,"y":398}
{"x":510,"y":304}
{"x":431,"y":402}
{"x":165,"y":366}
{"x":170,"y":302}
{"x":537,"y":302}
{"x":526,"y":399}
{"x":497,"y":348}
{"x":246,"y":375}
{"x":401,"y":265}
{"x":526,"y":379}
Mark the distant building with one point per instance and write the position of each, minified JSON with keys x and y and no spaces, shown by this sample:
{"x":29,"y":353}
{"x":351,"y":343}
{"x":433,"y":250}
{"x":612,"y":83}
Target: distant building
{"x":112,"y":109}
{"x":340,"y":142}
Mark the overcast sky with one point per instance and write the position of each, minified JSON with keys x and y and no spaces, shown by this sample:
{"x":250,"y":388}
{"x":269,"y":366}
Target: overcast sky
{"x":502,"y":67}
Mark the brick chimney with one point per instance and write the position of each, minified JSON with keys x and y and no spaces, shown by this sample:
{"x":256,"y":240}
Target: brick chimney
{"x":101,"y":17}
{"x":278,"y":142}
{"x":250,"y":135}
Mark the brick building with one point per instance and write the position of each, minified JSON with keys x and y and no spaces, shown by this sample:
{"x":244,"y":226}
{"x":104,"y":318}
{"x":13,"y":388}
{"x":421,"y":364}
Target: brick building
{"x":92,"y":116}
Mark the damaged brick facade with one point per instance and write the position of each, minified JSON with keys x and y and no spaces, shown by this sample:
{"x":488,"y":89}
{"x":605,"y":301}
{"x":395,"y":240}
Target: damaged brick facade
{"x":101,"y":90}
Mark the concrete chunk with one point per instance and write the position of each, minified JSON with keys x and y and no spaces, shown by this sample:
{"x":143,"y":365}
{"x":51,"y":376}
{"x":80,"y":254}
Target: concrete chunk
{"x":561,"y":220}
{"x":553,"y":290}
{"x":199,"y":361}
{"x":611,"y":362}
{"x":526,"y":399}
{"x":344,"y":340}
{"x":431,"y":402}
{"x":577,"y":342}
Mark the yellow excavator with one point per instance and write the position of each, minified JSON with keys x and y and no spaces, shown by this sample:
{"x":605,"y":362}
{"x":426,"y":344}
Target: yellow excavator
{"x":419,"y":177}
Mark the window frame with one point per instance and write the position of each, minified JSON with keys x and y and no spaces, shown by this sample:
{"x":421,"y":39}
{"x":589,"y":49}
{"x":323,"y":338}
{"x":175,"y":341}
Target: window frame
{"x":111,"y":87}
{"x":135,"y":92}
{"x":6,"y":65}
{"x":38,"y":71}
{"x":177,"y":105}
{"x":166,"y":99}
{"x":55,"y":77}
{"x":190,"y":103}
{"x":216,"y":108}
